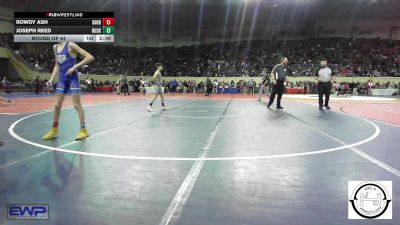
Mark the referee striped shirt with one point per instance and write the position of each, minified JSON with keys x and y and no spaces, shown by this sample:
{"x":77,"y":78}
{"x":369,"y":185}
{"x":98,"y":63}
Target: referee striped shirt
{"x":324,"y":74}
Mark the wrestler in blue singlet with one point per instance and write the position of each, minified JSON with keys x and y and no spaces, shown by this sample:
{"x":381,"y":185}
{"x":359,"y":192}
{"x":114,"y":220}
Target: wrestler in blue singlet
{"x":66,"y":82}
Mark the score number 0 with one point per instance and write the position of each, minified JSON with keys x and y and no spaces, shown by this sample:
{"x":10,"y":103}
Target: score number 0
{"x":108,"y":25}
{"x":108,"y":21}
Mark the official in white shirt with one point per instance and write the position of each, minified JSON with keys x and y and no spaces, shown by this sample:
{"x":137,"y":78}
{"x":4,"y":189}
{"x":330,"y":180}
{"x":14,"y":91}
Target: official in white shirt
{"x":325,"y":77}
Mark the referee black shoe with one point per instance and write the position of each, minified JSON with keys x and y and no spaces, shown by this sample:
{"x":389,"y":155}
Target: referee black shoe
{"x":327,"y":107}
{"x":321,"y":108}
{"x":279,"y":107}
{"x":269,"y":105}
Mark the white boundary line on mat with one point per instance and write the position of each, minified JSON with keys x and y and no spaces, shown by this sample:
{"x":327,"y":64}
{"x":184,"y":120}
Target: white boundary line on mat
{"x":387,"y":123}
{"x":47,"y":151}
{"x":175,"y":207}
{"x":16,"y":136}
{"x":366,"y":156}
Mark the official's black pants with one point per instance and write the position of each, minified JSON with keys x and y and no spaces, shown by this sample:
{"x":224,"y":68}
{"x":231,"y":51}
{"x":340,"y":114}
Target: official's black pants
{"x":125,"y":89}
{"x":208,"y":90}
{"x":37,"y":88}
{"x":324,"y":88}
{"x":277,"y":88}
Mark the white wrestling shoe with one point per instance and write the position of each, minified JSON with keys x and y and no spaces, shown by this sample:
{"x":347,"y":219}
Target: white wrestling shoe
{"x":164,"y":108}
{"x":149,"y":108}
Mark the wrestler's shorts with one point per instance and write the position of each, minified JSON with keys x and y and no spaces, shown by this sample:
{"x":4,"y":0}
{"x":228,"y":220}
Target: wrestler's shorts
{"x":157,"y":89}
{"x":64,"y":86}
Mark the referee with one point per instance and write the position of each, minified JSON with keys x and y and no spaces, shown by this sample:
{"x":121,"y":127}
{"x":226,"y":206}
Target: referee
{"x":278,"y":78}
{"x":325,"y":76}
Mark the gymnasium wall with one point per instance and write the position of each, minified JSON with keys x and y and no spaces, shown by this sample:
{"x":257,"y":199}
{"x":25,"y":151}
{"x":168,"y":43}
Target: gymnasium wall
{"x":16,"y":68}
{"x":359,"y":29}
{"x":3,"y":66}
{"x":6,"y":20}
{"x":188,"y":37}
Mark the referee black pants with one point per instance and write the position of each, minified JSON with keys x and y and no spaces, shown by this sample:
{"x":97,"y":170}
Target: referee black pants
{"x":277,"y":88}
{"x":324,"y":88}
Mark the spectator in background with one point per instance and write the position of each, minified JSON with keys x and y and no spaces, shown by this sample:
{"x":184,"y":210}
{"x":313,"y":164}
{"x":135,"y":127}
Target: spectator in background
{"x":141,"y":86}
{"x":215,"y":87}
{"x":370,"y":84}
{"x":222,"y":85}
{"x":119,"y":85}
{"x":125,"y":86}
{"x":244,"y":87}
{"x":305,"y":86}
{"x":209,"y":86}
{"x":363,"y":57}
{"x":93,"y":86}
{"x":264,"y":83}
{"x":174,"y":85}
{"x":3,"y":80}
{"x":180,"y":87}
{"x":346,"y":88}
{"x":251,"y":86}
{"x":88,"y":84}
{"x":36,"y":85}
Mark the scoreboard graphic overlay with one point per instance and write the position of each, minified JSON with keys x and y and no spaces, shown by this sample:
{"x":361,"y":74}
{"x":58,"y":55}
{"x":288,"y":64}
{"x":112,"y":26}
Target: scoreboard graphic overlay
{"x":64,"y":26}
